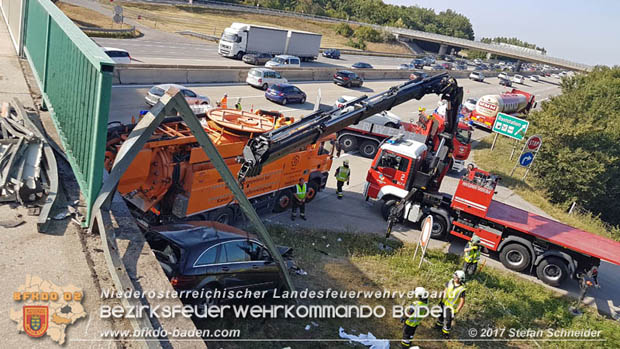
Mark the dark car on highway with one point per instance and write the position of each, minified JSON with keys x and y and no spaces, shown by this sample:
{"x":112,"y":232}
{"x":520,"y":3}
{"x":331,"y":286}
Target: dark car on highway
{"x":505,"y":82}
{"x":257,"y":58}
{"x":285,"y":93}
{"x":347,"y":79}
{"x":418,"y":63}
{"x":213,"y":256}
{"x":361,"y":65}
{"x":331,"y":53}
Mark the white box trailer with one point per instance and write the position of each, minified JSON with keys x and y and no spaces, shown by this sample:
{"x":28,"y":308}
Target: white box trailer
{"x":241,"y":38}
{"x":304,"y":45}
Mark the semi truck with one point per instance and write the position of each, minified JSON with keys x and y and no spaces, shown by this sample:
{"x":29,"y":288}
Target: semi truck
{"x":515,"y":102}
{"x":242,"y":38}
{"x":172,"y":178}
{"x":304,"y":45}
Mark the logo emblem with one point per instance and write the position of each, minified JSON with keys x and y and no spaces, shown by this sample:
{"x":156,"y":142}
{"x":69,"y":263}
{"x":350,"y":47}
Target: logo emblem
{"x":35,"y":320}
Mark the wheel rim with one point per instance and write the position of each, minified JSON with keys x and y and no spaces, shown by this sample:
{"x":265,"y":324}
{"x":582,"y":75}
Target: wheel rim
{"x":347,"y":143}
{"x":552,"y":272}
{"x":437,"y":228}
{"x":204,"y":304}
{"x":368,"y":150}
{"x":514,"y":258}
{"x":284,"y":201}
{"x":311,"y":193}
{"x":223,"y":218}
{"x":284,"y":101}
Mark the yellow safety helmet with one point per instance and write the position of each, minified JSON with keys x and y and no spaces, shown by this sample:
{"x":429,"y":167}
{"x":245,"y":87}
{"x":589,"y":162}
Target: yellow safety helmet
{"x":420,"y":109}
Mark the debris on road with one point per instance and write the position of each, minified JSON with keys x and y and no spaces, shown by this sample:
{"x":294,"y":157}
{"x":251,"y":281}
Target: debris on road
{"x":28,"y":169}
{"x":12,"y":223}
{"x":368,"y":340}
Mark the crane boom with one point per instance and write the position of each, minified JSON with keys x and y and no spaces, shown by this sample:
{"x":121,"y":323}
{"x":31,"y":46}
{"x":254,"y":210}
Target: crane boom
{"x":275,"y":144}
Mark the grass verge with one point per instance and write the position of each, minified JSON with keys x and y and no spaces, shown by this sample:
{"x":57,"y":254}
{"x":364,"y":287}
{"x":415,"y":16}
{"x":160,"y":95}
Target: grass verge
{"x":84,"y":17}
{"x":344,"y":261}
{"x":498,"y":162}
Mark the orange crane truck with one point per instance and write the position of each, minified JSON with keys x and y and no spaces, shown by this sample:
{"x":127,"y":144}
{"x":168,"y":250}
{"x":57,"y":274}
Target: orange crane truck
{"x":173,"y":178}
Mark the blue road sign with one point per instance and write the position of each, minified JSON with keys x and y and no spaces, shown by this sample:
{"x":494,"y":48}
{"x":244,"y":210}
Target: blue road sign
{"x":526,"y":159}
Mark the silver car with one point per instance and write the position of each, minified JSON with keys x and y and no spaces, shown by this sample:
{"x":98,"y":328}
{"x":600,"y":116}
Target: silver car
{"x":192,"y":98}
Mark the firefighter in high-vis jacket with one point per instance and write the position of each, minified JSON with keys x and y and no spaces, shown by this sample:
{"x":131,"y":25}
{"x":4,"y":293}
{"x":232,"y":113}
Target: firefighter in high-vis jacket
{"x":414,"y":315}
{"x":299,"y":200}
{"x":471,"y":255}
{"x":452,"y":302}
{"x":342,"y":175}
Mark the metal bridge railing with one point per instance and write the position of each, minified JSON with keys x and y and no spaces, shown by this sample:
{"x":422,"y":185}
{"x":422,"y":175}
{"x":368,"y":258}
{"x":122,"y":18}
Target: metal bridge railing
{"x":75,"y":78}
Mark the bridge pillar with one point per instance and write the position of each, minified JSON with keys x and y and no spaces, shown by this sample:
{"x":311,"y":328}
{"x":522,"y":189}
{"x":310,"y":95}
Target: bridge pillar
{"x":443,"y":49}
{"x":488,"y":55}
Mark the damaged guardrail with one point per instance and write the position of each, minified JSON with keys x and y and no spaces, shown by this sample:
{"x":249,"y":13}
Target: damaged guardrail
{"x":28,"y":168}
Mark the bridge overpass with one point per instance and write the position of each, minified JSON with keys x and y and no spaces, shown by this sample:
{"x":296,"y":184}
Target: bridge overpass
{"x":399,"y":32}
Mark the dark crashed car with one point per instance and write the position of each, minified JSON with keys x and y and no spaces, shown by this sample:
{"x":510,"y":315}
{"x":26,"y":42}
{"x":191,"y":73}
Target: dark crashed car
{"x":331,"y":53}
{"x":257,"y":58}
{"x":208,"y":256}
{"x":505,"y":82}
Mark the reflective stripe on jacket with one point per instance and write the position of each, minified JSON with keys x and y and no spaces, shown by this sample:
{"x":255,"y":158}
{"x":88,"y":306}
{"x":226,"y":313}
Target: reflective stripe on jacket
{"x":417,"y":314}
{"x":472,"y":256}
{"x":453,"y":294}
{"x":343,"y":174}
{"x":300,"y":191}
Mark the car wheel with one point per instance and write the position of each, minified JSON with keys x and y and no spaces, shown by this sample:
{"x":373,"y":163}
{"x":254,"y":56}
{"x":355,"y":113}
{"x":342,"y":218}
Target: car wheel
{"x":311,"y":191}
{"x":265,"y":86}
{"x":239,"y":55}
{"x":348,"y":84}
{"x":283,"y":200}
{"x":391,"y":125}
{"x":387,"y":207}
{"x":303,"y":100}
{"x":552,"y":271}
{"x":439,"y":228}
{"x":369,"y":148}
{"x":515,"y":257}
{"x":348,"y":143}
{"x":203,"y":304}
{"x":224,"y":215}
{"x":284,"y":101}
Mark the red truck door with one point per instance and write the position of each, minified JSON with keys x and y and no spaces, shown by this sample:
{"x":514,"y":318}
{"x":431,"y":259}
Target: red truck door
{"x":390,"y":169}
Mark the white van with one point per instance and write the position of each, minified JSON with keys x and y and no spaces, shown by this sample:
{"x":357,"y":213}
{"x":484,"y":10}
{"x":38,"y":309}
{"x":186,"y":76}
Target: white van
{"x":263,"y":78}
{"x":284,"y":61}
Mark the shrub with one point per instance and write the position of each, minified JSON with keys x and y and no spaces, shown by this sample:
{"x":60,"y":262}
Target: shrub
{"x":344,"y":30}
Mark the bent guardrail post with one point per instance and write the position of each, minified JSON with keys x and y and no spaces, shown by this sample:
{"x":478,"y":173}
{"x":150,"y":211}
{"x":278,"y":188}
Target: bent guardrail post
{"x":171,"y":103}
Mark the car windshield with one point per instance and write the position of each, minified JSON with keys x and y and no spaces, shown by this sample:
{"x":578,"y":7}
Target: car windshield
{"x":278,"y":87}
{"x":254,"y":72}
{"x":117,"y":54}
{"x":463,"y":136}
{"x":229,"y":37}
{"x":157,"y":91}
{"x":278,"y":60}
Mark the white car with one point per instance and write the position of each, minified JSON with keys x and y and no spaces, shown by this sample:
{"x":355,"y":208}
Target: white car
{"x":556,"y":76}
{"x":534,"y":78}
{"x":192,"y":98}
{"x":118,"y":55}
{"x":477,"y":76}
{"x":503,"y":76}
{"x":519,"y":79}
{"x":263,"y":78}
{"x":385,"y":118}
{"x":470,"y":104}
{"x":284,"y":61}
{"x":405,"y":67}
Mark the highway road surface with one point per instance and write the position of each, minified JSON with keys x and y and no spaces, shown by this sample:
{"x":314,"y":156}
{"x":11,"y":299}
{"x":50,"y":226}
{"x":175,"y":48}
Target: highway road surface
{"x":128,"y":100}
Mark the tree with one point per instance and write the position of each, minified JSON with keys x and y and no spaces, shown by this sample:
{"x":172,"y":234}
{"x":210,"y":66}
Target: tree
{"x":580,"y":158}
{"x":367,"y":34}
{"x":344,"y":30}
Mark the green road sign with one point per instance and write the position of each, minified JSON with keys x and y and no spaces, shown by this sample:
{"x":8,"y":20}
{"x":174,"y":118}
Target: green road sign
{"x":510,"y":126}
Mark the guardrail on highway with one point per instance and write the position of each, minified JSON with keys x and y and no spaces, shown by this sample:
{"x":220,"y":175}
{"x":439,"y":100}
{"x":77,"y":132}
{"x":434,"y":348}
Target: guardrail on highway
{"x":131,"y":74}
{"x":199,"y":35}
{"x":106,"y":30}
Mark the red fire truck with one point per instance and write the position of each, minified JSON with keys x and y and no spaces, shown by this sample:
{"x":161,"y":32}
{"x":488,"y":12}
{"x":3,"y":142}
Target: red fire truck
{"x":525,"y":241}
{"x":515,"y":102}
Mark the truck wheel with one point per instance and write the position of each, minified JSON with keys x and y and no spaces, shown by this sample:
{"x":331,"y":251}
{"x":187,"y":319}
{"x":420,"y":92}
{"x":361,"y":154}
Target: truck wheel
{"x":552,"y":271}
{"x":348,"y":143}
{"x":311,"y":191}
{"x":387,"y":207}
{"x":283,"y":201}
{"x":224,"y":215}
{"x":369,"y":148}
{"x":515,"y":257}
{"x":239,"y":55}
{"x":440,"y":227}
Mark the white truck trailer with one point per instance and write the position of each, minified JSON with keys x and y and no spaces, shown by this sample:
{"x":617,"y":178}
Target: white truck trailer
{"x":304,"y":45}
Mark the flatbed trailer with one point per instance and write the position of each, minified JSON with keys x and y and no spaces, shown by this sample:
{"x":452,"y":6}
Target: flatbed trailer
{"x":524,"y":239}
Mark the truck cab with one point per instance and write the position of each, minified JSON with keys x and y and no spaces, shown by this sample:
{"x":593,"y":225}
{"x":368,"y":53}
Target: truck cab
{"x":233,"y":42}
